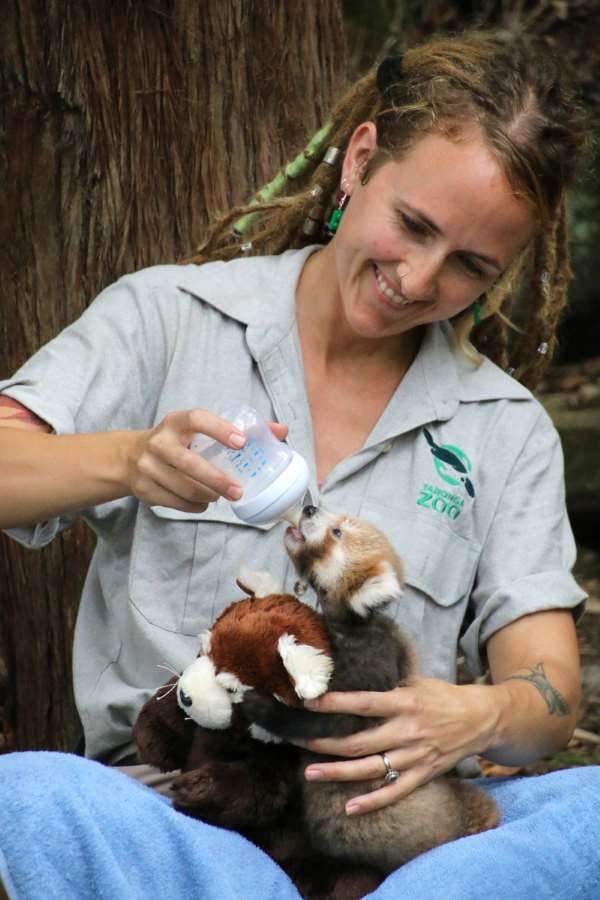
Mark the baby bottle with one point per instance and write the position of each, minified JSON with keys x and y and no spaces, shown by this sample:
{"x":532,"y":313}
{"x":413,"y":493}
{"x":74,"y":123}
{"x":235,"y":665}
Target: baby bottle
{"x":273,"y":476}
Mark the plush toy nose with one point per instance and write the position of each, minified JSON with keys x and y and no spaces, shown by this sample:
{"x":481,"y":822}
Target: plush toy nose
{"x":186,"y":701}
{"x":309,"y":511}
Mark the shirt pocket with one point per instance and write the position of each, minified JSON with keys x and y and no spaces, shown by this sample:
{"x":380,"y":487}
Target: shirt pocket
{"x":439,"y":572}
{"x":177,"y":580}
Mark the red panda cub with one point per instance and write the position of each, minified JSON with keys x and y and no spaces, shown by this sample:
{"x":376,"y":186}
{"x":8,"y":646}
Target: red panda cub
{"x":355,"y":573}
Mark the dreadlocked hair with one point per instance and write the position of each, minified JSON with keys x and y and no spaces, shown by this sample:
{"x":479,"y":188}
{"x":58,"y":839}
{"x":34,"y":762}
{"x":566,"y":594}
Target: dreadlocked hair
{"x":279,"y":223}
{"x":512,"y":90}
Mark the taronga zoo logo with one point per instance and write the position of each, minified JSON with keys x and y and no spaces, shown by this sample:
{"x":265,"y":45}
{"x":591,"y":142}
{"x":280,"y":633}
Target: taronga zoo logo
{"x":454,"y":467}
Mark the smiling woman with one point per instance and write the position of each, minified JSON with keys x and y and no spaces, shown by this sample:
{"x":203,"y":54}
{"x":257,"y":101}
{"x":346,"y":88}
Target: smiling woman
{"x":447,"y":172}
{"x":391,"y":272}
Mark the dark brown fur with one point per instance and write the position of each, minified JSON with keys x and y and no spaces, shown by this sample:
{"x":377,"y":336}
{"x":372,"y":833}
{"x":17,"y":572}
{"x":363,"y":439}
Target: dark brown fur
{"x":233,"y":781}
{"x":369,"y":654}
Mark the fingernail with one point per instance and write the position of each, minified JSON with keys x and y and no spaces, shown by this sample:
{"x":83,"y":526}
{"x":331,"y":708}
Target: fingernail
{"x":237,"y":440}
{"x":314,"y":774}
{"x":234,"y":493}
{"x":352,"y":809}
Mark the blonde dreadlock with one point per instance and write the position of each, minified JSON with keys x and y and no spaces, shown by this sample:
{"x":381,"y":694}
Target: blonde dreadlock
{"x":513,"y":91}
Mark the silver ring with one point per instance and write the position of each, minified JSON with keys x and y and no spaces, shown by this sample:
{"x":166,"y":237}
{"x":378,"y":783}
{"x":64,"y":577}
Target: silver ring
{"x":390,"y":774}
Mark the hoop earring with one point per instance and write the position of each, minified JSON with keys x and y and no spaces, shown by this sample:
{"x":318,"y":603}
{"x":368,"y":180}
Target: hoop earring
{"x":477,"y":313}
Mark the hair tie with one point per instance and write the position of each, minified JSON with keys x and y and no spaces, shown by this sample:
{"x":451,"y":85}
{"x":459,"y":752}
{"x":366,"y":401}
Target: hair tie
{"x":389,"y":73}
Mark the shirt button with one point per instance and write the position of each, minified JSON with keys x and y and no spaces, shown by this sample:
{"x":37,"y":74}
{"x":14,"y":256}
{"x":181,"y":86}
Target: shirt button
{"x":387,"y":446}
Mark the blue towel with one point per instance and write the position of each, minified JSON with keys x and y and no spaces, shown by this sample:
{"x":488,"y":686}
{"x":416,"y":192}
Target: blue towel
{"x":73,"y":829}
{"x":547,"y":846}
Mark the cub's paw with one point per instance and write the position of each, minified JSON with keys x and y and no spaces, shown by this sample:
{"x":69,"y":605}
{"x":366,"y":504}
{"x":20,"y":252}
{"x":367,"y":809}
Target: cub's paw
{"x":216,"y":791}
{"x":210,"y":783}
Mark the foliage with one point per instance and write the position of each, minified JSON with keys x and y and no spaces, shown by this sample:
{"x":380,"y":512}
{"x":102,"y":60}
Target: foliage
{"x":585,"y":230}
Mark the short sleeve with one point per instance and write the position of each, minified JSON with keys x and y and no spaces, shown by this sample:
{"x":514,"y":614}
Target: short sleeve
{"x":527,"y":557}
{"x":102,"y":373}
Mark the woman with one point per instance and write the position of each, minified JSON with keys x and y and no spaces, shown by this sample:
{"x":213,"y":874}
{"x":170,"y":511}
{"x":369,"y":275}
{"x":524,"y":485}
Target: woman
{"x":449,"y":187}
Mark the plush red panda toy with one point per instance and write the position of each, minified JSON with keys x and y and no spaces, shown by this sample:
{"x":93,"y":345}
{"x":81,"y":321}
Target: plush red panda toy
{"x":272,"y":642}
{"x":235,"y":775}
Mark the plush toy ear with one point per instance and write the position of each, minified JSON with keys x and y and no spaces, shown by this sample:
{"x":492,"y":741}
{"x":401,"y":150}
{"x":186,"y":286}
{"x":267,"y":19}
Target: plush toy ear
{"x":376,"y":591}
{"x":205,"y":637}
{"x":257,"y":583}
{"x":309,"y":668}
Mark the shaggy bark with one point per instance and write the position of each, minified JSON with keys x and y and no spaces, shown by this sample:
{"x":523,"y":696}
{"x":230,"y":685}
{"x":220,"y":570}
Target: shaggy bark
{"x":123,"y":128}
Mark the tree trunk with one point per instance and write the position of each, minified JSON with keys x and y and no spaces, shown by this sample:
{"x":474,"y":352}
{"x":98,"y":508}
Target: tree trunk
{"x":124,"y":127}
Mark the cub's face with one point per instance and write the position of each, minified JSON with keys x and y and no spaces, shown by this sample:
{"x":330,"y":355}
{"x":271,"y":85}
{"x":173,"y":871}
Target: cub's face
{"x":349,"y":562}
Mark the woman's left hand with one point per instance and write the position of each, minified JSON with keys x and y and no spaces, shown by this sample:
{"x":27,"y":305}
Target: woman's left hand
{"x":429,"y":726}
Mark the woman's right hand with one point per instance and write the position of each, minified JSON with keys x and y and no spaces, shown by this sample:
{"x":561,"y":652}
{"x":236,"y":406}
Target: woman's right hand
{"x":163,"y":471}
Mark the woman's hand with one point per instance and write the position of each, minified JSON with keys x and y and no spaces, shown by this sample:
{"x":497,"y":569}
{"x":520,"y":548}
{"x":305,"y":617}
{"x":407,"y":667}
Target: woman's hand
{"x":429,"y":727}
{"x":163,"y":471}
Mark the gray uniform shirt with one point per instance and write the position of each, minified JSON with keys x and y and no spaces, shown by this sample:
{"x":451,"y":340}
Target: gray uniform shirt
{"x":463,"y":472}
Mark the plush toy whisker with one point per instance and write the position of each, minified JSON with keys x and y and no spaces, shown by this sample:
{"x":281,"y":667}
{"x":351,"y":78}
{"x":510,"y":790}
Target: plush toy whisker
{"x":171,"y":688}
{"x":169,"y":669}
{"x":229,"y":776}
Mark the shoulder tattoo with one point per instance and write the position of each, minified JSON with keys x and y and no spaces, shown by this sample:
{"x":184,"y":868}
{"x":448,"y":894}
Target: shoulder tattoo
{"x":11,"y":411}
{"x":556,"y":703}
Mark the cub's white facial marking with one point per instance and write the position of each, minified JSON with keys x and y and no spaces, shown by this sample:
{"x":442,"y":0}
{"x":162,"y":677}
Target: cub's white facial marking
{"x":314,"y":528}
{"x":375,"y":591}
{"x":201,"y":697}
{"x":257,"y":582}
{"x":309,"y":668}
{"x":261,"y":734}
{"x":329,"y":571}
{"x":205,"y":642}
{"x":233,"y":685}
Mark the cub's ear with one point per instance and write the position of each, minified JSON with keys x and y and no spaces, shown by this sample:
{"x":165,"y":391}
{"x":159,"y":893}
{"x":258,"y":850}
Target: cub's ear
{"x":377,"y":591}
{"x":257,"y":583}
{"x":309,"y":668}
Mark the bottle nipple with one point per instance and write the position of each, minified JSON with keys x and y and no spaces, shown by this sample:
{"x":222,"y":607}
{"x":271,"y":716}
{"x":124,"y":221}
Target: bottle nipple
{"x":291,"y":515}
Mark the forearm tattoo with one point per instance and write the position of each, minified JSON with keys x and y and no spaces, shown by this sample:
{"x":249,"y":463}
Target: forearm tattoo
{"x":556,"y":703}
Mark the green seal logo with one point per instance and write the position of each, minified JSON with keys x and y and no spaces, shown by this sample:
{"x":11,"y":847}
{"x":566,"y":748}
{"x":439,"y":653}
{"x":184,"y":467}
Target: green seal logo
{"x":452,"y":464}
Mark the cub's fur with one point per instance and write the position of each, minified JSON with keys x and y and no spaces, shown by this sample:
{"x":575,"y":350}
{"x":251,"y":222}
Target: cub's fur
{"x":354,"y":571}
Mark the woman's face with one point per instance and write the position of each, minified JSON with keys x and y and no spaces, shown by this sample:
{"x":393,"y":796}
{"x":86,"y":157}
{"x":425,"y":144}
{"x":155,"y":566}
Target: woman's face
{"x":426,"y":235}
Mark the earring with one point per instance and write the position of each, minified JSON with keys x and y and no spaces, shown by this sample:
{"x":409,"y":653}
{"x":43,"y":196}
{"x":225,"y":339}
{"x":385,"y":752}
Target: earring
{"x":477,"y":312}
{"x":334,"y":220}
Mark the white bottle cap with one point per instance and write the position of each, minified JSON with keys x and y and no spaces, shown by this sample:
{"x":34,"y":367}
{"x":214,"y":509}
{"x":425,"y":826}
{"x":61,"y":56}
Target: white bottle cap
{"x":285,"y":491}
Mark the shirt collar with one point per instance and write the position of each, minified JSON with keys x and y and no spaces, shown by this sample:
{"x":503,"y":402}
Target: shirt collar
{"x":451,"y":376}
{"x":257,"y":290}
